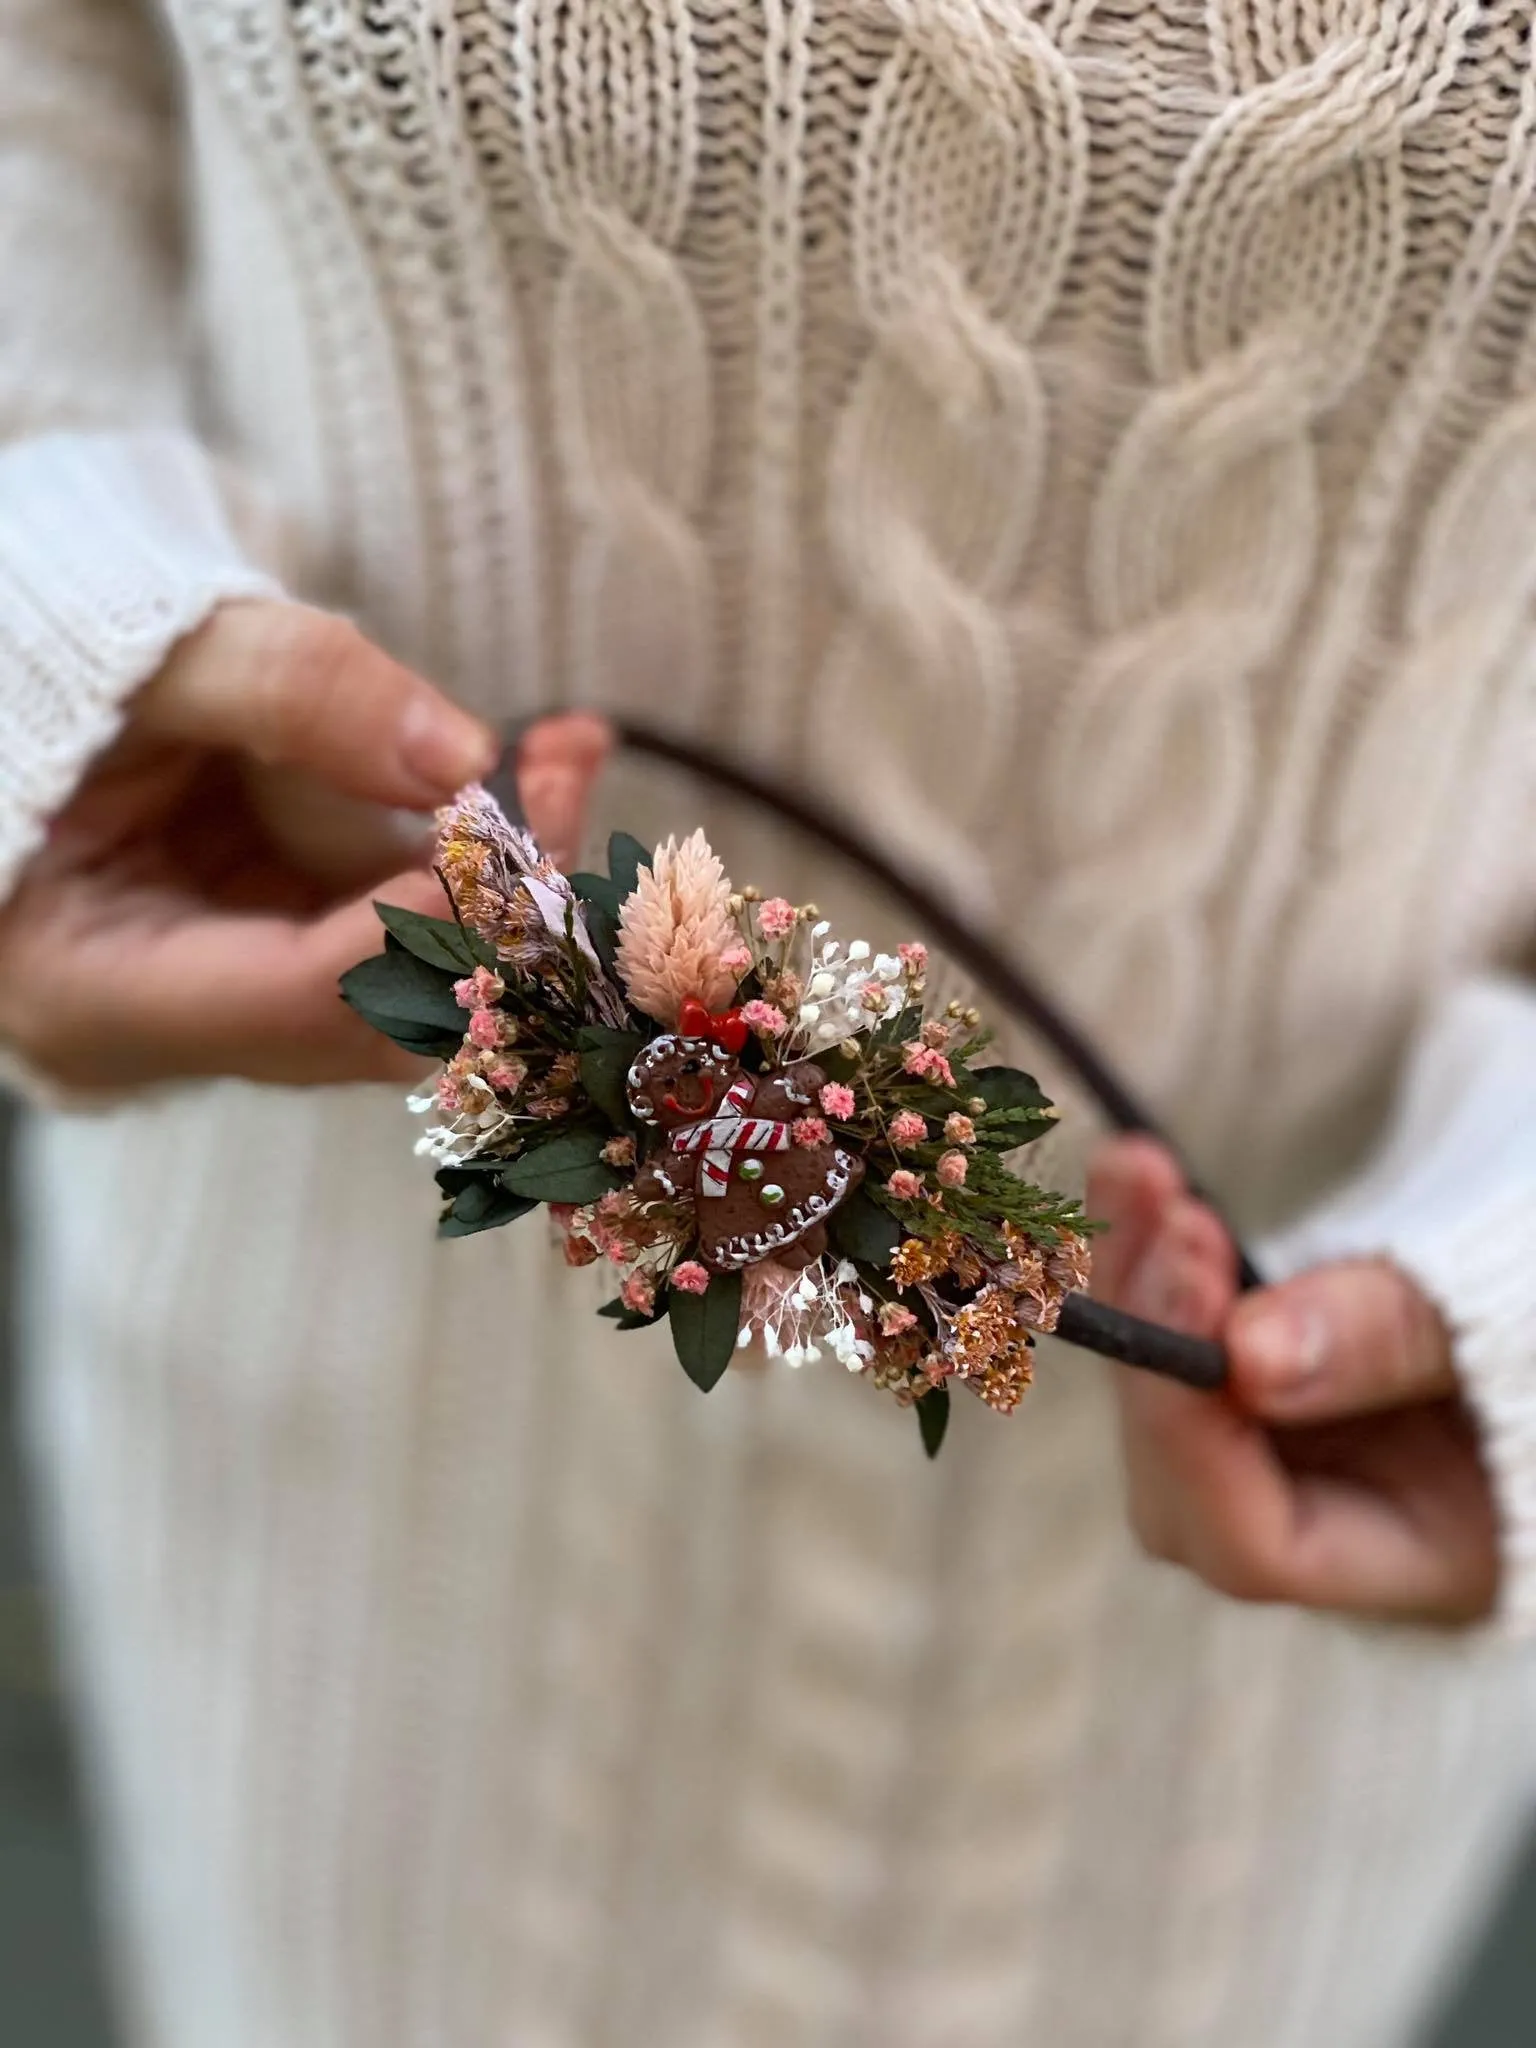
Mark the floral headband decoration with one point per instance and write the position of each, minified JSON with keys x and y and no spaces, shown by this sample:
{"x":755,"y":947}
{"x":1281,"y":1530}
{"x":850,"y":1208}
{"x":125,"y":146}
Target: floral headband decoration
{"x":767,"y":1133}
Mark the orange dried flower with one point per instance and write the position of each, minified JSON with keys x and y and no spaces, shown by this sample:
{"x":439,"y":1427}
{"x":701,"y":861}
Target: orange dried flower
{"x":924,"y":1258}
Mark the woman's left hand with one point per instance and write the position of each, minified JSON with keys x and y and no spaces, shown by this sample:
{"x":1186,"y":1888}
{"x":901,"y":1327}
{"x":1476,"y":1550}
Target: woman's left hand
{"x":1341,"y":1469}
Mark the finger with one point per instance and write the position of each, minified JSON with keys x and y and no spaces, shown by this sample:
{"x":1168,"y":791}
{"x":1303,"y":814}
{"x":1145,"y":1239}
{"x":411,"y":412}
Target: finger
{"x":299,"y":688}
{"x":1344,"y":1339}
{"x":1131,"y":1181}
{"x":1234,"y":1515}
{"x":1355,"y":1550}
{"x":1206,"y":1488}
{"x":558,"y":760}
{"x":249,"y":996}
{"x":1186,"y":1276}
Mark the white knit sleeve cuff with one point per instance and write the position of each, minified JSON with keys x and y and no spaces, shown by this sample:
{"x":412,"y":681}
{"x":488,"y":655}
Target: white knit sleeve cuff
{"x":1451,"y":1197}
{"x":112,"y":547}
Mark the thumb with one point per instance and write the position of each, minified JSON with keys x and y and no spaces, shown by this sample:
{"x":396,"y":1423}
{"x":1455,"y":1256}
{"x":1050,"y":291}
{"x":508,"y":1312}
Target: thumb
{"x":299,"y":688}
{"x":558,"y":761}
{"x":1344,"y":1339}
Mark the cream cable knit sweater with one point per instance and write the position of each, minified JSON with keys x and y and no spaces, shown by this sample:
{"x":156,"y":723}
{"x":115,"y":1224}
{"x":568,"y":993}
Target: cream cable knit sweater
{"x":1114,"y":423}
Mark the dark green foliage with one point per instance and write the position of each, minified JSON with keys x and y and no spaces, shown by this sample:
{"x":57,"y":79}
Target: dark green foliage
{"x":606,"y":1058}
{"x":861,"y":1231}
{"x":933,"y":1418}
{"x":1008,"y":1088}
{"x":631,"y":1318}
{"x":436,"y":940}
{"x":484,"y":1205}
{"x":600,"y":906}
{"x":598,"y":892}
{"x":408,"y":1000}
{"x":704,"y":1327}
{"x":564,"y":1168}
{"x":454,"y":1179}
{"x":626,"y":857}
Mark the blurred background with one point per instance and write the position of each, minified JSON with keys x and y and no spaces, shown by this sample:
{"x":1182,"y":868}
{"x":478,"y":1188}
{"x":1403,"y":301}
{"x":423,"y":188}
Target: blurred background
{"x":52,"y":1989}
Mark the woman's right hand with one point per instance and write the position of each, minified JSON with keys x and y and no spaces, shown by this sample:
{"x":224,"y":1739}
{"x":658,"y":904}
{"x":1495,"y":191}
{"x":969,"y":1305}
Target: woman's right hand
{"x":163,"y":931}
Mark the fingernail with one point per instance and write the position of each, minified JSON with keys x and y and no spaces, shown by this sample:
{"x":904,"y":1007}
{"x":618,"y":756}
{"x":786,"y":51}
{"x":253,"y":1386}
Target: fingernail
{"x":442,"y":748}
{"x":1284,"y":1347}
{"x":1161,"y":1292}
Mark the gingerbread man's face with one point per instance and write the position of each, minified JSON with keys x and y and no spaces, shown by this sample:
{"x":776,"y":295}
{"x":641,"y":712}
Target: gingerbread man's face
{"x":676,"y":1081}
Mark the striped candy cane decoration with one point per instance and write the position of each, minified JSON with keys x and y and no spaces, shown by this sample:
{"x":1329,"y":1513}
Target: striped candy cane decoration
{"x":729,"y":1131}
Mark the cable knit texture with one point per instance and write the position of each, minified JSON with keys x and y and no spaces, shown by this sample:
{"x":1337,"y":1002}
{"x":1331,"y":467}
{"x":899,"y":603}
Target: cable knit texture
{"x":1110,"y":426}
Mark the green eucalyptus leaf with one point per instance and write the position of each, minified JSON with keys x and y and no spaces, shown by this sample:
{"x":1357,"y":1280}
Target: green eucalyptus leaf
{"x":565,"y":1168}
{"x":864,"y":1232}
{"x":483,"y":1206}
{"x":626,"y":857}
{"x":704,"y":1327}
{"x":933,"y":1418}
{"x":436,"y":940}
{"x":599,"y":892}
{"x":924,"y":1096}
{"x":1007,"y":1088}
{"x":606,"y":1058}
{"x":422,"y":1041}
{"x":467,"y":1173}
{"x":396,"y":989}
{"x":631,"y":1318}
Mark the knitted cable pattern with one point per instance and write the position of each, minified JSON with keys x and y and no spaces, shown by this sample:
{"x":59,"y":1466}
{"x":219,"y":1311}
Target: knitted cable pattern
{"x":1275,"y":263}
{"x":970,"y":178}
{"x":609,"y":113}
{"x":1350,"y":592}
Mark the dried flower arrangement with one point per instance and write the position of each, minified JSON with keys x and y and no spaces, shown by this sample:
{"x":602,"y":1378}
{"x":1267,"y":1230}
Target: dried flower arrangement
{"x":763,"y":1130}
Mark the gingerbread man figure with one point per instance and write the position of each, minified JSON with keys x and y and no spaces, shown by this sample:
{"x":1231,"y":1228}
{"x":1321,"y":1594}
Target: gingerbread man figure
{"x":756,"y":1194}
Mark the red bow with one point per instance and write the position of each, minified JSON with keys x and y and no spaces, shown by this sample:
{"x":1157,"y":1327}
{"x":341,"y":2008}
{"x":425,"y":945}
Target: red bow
{"x":728,"y":1030}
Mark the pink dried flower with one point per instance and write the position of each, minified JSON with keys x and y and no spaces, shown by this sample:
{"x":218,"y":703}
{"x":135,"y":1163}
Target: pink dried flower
{"x":927,"y":1063}
{"x":507,"y":1076}
{"x":837,"y":1100}
{"x":736,"y":959}
{"x":674,"y":930}
{"x":613,"y":1205}
{"x":638,"y":1294}
{"x":951,"y":1170}
{"x":913,"y":956}
{"x":908,"y":1128}
{"x":895,"y":1319}
{"x":809,"y":1131}
{"x":905,"y":1185}
{"x":776,"y":918}
{"x":874,"y":997}
{"x":450,"y":1096}
{"x":485,"y":1030}
{"x":479,"y":990}
{"x":760,"y":1016}
{"x":619,"y":1152}
{"x":691,"y":1277}
{"x":578,"y":1251}
{"x":936,"y":1035}
{"x":959,"y":1130}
